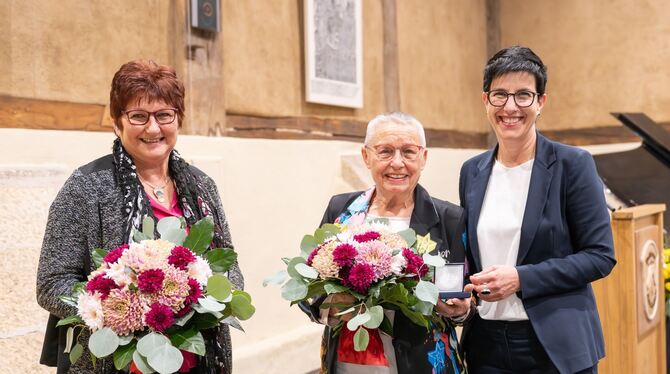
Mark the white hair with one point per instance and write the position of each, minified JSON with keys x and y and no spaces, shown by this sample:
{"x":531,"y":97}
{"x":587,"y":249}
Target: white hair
{"x":399,"y":118}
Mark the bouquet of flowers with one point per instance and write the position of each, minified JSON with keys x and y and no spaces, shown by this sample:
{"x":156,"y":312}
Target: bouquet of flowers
{"x":147,"y":302}
{"x":381,"y":269}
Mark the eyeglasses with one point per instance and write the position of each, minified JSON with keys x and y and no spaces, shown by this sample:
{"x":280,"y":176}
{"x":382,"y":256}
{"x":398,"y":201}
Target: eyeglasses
{"x":139,"y":117}
{"x":409,"y":152}
{"x":522,"y":99}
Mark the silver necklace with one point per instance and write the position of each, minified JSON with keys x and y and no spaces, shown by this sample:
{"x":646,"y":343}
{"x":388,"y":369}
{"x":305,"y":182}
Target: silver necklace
{"x":158,"y":191}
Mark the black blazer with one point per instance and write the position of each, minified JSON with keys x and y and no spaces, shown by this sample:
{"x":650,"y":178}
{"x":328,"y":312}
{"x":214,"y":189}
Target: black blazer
{"x":446,"y":224}
{"x":566,"y":243}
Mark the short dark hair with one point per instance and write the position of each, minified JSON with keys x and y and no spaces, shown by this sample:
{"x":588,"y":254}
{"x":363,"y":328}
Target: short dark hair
{"x":145,"y":80}
{"x":516,"y":59}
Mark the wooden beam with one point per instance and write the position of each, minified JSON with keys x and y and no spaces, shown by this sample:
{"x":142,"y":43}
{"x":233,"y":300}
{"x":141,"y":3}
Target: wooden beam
{"x":493,"y":43}
{"x":49,"y":114}
{"x":391,"y":69}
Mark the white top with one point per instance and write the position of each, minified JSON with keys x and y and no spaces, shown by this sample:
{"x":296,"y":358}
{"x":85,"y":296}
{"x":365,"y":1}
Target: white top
{"x":499,"y":231}
{"x":396,"y":224}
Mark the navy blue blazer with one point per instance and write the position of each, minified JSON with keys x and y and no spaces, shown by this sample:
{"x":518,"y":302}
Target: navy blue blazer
{"x":566,"y":243}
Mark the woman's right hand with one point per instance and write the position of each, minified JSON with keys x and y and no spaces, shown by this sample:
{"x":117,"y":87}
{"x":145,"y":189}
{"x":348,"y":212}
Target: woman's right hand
{"x":340,"y":298}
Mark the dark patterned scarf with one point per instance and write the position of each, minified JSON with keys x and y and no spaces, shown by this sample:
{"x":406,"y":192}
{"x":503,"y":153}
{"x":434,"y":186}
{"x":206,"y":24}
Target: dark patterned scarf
{"x":195,"y":202}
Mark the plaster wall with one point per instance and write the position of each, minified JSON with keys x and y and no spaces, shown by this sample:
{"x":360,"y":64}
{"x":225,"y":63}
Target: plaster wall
{"x":603,"y":56}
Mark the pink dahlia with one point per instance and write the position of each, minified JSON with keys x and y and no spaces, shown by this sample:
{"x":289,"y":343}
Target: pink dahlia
{"x":378,"y":255}
{"x":175,"y":288}
{"x":180,"y":257}
{"x":361,"y":277}
{"x":344,"y":254}
{"x":101,"y":284}
{"x":366,"y":237}
{"x":151,"y":280}
{"x":159,"y":317}
{"x":415,"y":263}
{"x":115,"y":254}
{"x":123,"y":311}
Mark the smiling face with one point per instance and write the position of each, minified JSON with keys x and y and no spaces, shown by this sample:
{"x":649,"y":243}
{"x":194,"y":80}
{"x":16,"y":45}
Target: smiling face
{"x":510,"y":122}
{"x":396,"y":176}
{"x":149,"y":144}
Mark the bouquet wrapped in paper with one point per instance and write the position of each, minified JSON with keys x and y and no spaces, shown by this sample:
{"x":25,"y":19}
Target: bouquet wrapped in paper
{"x":147,"y":301}
{"x":379,"y":268}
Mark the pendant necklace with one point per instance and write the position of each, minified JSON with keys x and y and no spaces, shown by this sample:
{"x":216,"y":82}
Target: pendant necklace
{"x":158,"y":191}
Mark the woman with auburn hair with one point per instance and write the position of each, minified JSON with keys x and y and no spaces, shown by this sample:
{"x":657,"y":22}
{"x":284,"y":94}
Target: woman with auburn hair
{"x":103,"y":202}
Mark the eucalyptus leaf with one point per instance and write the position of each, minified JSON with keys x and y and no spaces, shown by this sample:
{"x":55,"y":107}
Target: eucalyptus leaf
{"x":76,"y":353}
{"x":204,"y":311}
{"x":148,"y":225}
{"x":189,"y":340}
{"x":277,"y":278}
{"x":175,"y":236}
{"x":138,"y":236}
{"x":181,"y":321}
{"x":320,"y":235}
{"x":219,"y":287}
{"x":361,"y":340}
{"x":409,"y":235}
{"x":376,"y":317}
{"x":306,"y":271}
{"x":427,"y":291}
{"x":242,"y":307}
{"x":69,"y":300}
{"x":431,"y":260}
{"x":291,"y":267}
{"x":357,"y":321}
{"x":233,"y":322}
{"x":333,"y":288}
{"x":69,"y":321}
{"x":97,"y":256}
{"x":307,"y":244}
{"x":123,"y":356}
{"x":294,"y":290}
{"x":151,"y":341}
{"x":69,"y":337}
{"x":200,"y":235}
{"x":221,"y":259}
{"x":166,"y":224}
{"x":165,"y":359}
{"x":423,"y":307}
{"x":211,"y":304}
{"x":141,"y":363}
{"x":125,"y":339}
{"x":103,"y":342}
{"x":331,"y":228}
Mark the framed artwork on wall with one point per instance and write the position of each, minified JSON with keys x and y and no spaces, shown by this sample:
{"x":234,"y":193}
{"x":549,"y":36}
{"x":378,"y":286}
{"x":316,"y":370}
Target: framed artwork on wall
{"x":334,"y":52}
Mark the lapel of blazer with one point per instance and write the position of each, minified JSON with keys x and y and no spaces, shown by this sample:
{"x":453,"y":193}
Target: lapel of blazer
{"x":424,"y":215}
{"x":540,"y":180}
{"x":476,"y":190}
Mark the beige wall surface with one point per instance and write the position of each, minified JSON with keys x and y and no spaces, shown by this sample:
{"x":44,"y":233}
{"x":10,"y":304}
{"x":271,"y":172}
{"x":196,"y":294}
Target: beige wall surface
{"x":69,"y":50}
{"x":442,"y":53}
{"x":603,"y":56}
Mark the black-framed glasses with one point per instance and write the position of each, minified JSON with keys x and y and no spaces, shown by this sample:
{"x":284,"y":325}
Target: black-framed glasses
{"x":522,"y":99}
{"x":383,"y":152}
{"x":139,"y":117}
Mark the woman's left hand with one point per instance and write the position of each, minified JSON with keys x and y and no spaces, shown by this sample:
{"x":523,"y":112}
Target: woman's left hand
{"x":453,"y":308}
{"x":495,"y":283}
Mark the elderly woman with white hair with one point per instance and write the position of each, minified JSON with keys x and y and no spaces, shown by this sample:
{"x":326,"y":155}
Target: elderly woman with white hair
{"x":395,"y":153}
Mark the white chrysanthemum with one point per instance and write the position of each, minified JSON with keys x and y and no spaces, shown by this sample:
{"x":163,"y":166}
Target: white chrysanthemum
{"x":323,"y":261}
{"x":89,"y":308}
{"x":398,"y":263}
{"x":120,"y":274}
{"x":200,"y":270}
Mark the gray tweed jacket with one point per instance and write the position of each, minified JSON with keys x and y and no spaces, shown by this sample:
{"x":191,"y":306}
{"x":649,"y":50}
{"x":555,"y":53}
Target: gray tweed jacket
{"x":86,"y":214}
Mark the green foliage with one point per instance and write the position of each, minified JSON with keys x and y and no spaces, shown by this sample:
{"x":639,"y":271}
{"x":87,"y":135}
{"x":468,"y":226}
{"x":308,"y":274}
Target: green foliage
{"x":200,"y":236}
{"x":221,"y":259}
{"x":70,"y":320}
{"x":361,"y":339}
{"x":409,"y":235}
{"x":165,"y":359}
{"x":189,"y":340}
{"x":427,"y":291}
{"x":124,"y":355}
{"x":241,"y":305}
{"x":307,"y":244}
{"x":331,"y":287}
{"x":358,"y":320}
{"x":97,"y":256}
{"x":76,"y":352}
{"x":149,"y":342}
{"x":103,"y":342}
{"x":141,"y":363}
{"x":276,"y":279}
{"x":376,"y":317}
{"x":148,"y":227}
{"x":306,"y":271}
{"x":291,"y":267}
{"x":219,"y":287}
{"x":294,"y":290}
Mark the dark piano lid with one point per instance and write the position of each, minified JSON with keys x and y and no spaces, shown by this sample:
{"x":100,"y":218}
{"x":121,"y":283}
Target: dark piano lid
{"x":642,"y":175}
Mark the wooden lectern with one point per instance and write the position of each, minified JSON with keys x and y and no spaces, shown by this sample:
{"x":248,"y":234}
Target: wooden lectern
{"x":631,"y":300}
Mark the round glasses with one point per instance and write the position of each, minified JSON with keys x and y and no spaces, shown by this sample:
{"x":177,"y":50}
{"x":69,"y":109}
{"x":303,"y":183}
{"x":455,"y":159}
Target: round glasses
{"x":522,"y":99}
{"x":409,"y":152}
{"x":139,"y":117}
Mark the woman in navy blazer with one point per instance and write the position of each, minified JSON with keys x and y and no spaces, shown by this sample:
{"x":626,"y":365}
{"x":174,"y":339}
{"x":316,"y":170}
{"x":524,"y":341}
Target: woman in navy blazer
{"x":538,"y":235}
